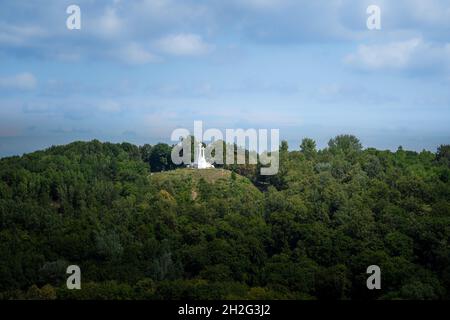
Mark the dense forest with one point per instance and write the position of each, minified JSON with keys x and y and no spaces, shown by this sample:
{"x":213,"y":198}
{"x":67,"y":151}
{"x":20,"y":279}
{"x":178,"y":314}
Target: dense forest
{"x":141,"y":228}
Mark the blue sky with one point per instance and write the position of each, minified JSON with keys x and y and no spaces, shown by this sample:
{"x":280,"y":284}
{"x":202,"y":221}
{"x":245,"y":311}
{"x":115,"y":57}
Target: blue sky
{"x":139,"y":69}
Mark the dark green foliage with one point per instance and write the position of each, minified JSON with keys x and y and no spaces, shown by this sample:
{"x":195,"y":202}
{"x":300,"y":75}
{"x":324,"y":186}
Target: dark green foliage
{"x":309,"y":232}
{"x":308,"y":148}
{"x":158,"y":157}
{"x":443,"y":154}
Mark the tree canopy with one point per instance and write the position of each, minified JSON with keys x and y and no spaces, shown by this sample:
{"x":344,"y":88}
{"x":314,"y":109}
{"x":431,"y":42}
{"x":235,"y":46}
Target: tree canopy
{"x":139,"y":229}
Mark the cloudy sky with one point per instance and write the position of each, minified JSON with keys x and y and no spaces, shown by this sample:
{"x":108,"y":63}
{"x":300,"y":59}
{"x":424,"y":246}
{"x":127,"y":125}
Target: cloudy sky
{"x":139,"y":69}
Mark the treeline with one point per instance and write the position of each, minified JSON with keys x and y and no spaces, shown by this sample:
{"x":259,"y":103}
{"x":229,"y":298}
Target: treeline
{"x":309,"y":232}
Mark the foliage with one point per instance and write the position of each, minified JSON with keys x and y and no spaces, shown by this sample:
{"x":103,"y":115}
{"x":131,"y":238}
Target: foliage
{"x":139,"y":231}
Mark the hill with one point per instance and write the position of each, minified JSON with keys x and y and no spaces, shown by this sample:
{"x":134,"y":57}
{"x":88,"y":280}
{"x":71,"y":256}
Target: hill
{"x":224,"y":181}
{"x":209,"y":175}
{"x":141,"y":228}
{"x":98,"y":206}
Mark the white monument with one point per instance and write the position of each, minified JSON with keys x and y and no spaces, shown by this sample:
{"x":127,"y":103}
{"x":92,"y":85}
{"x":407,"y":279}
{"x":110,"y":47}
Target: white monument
{"x":200,"y":160}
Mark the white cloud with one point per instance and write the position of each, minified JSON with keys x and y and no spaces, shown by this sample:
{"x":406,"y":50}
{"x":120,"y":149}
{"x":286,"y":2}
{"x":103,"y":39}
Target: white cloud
{"x":39,"y":30}
{"x":109,"y":24}
{"x":135,"y":54}
{"x":21,"y":81}
{"x":402,"y":55}
{"x":184,"y":44}
{"x":19,"y":35}
{"x":435,"y":13}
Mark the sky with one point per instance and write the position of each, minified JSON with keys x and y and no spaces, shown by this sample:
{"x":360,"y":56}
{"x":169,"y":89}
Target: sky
{"x":137,"y":70}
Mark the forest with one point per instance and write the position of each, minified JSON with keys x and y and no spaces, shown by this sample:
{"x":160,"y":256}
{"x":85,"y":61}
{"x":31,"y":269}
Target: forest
{"x":139,"y":227}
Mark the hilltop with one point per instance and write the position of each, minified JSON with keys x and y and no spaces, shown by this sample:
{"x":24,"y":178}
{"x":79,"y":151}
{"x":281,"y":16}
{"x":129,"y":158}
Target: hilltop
{"x":209,"y":175}
{"x":219,"y":181}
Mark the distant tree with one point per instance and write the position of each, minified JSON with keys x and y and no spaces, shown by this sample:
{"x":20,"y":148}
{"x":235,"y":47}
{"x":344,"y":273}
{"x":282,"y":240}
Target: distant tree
{"x":308,"y":148}
{"x":160,"y":158}
{"x":443,"y":153}
{"x":146,"y":151}
{"x":345,"y":143}
{"x":333,"y":283}
{"x":47,"y":292}
{"x":372,"y":166}
{"x":279,"y":180}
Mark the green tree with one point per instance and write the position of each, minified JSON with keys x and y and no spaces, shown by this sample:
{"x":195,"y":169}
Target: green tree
{"x":308,"y":148}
